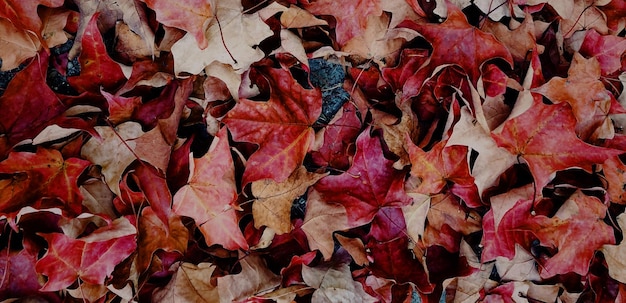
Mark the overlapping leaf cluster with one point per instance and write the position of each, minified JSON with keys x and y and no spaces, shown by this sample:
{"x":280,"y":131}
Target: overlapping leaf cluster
{"x":191,"y":151}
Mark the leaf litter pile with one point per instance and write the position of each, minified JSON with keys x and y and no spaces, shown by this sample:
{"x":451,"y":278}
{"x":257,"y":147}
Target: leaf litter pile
{"x":313,"y":151}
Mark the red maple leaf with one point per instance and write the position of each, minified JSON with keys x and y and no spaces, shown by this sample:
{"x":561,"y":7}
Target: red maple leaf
{"x":44,"y":174}
{"x":97,"y":69}
{"x":609,"y":50}
{"x":441,"y":167}
{"x":90,"y":259}
{"x":394,"y":260}
{"x":455,"y":41}
{"x":282,"y":126}
{"x":571,"y":236}
{"x":339,"y":137}
{"x":26,"y":112}
{"x":370,"y":184}
{"x":544,"y":137}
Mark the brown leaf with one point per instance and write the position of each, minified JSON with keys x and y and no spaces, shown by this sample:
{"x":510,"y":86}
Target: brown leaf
{"x":321,"y":221}
{"x":272,"y":207}
{"x":190,"y":283}
{"x":16,"y":45}
{"x":254,"y":279}
{"x":334,"y":283}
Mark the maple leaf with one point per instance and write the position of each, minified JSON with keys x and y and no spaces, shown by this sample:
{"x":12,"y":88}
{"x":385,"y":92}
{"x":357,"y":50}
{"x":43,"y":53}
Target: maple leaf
{"x":210,"y":195}
{"x":497,"y":240}
{"x":44,"y":174}
{"x":519,"y":41}
{"x":111,"y":153}
{"x":587,"y":95}
{"x":120,"y":108}
{"x":233,"y":37}
{"x":607,"y":49}
{"x":446,"y":219}
{"x":544,"y":137}
{"x":23,"y":14}
{"x":568,"y":232}
{"x":116,"y":148}
{"x":579,"y":15}
{"x":440,"y":165}
{"x":576,"y":230}
{"x":97,"y":69}
{"x":370,"y":184}
{"x":131,"y":12}
{"x":253,"y":279}
{"x":154,"y":234}
{"x":377,"y":42}
{"x":478,"y":46}
{"x":491,"y":161}
{"x":351,"y":16}
{"x":321,"y":221}
{"x":15,"y":45}
{"x":393,"y":260}
{"x":25,"y":113}
{"x":272,"y":207}
{"x":192,"y":16}
{"x":190,"y":283}
{"x":19,"y":275}
{"x":615,"y":12}
{"x":282,"y":126}
{"x":90,"y":259}
{"x":54,"y":22}
{"x":333,"y":283}
{"x":339,"y":137}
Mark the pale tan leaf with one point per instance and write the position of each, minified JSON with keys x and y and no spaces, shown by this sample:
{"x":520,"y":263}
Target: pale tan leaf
{"x":272,"y":207}
{"x":254,"y":279}
{"x":232,"y":37}
{"x":190,"y":283}
{"x":16,"y":45}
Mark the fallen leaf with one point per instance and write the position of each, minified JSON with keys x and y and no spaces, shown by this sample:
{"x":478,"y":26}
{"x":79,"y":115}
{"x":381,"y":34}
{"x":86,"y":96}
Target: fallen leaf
{"x":334,"y":283}
{"x":90,"y":260}
{"x":583,"y":90}
{"x":321,"y":220}
{"x":25,"y":113}
{"x":97,"y":69}
{"x":351,"y":16}
{"x":282,"y":126}
{"x":15,"y":45}
{"x":232,"y":37}
{"x":272,"y":207}
{"x":443,"y":167}
{"x":131,"y":12}
{"x":491,"y":161}
{"x":544,"y":137}
{"x":155,"y":235}
{"x":210,"y":196}
{"x":192,"y":16}
{"x":608,"y":50}
{"x":479,"y":46}
{"x":190,"y":283}
{"x":254,"y":279}
{"x":24,"y":14}
{"x":43,"y":174}
{"x":370,"y":184}
{"x":615,"y":255}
